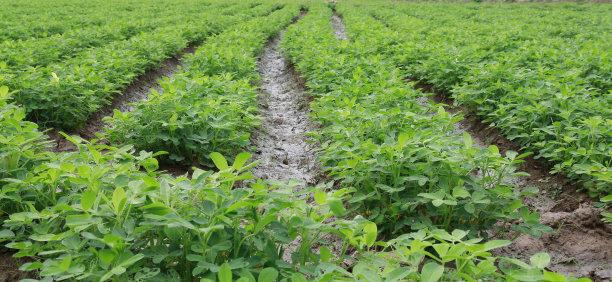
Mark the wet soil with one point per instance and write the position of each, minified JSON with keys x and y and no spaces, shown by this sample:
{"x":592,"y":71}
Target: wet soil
{"x":338,"y":27}
{"x":9,"y":267}
{"x":282,"y":146}
{"x":581,"y":244}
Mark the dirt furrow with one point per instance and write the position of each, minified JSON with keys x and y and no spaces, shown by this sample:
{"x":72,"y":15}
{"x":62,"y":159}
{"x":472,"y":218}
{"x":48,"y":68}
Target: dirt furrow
{"x":282,"y":146}
{"x":338,"y":27}
{"x":581,"y":243}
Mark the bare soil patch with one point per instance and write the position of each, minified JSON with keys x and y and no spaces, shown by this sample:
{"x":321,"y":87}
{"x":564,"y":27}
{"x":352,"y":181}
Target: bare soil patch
{"x":581,"y":244}
{"x":338,"y":26}
{"x":9,"y":267}
{"x":282,"y":145}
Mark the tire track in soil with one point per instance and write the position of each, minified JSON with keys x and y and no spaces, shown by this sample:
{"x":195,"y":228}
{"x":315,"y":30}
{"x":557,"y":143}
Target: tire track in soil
{"x":282,"y":146}
{"x":137,"y":90}
{"x":581,"y":244}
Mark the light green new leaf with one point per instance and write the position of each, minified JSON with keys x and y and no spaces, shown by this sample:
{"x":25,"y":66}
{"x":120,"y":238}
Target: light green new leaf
{"x":431,"y":272}
{"x":371,"y":232}
{"x":336,"y":206}
{"x":268,"y":274}
{"x":225,"y":273}
{"x":240,"y":160}
{"x":119,"y":199}
{"x":540,"y":260}
{"x":219,"y":160}
{"x":87,"y":199}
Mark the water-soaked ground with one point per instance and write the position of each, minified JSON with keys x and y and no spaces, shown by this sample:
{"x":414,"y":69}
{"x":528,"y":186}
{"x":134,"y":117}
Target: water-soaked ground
{"x":338,"y":27}
{"x":283,"y":148}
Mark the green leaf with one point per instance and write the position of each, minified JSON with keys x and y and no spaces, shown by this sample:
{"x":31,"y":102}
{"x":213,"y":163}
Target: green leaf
{"x":225,"y":273}
{"x":371,"y":232}
{"x":219,"y":160}
{"x":298,"y":277}
{"x":6,"y":234}
{"x":336,"y":206}
{"x":157,"y":209}
{"x":115,"y":271}
{"x":320,"y":197}
{"x":540,"y":260}
{"x":494,"y":244}
{"x":467,"y":140}
{"x":403,"y":139}
{"x":65,"y":263}
{"x":325,"y":254}
{"x":268,"y":274}
{"x":119,"y":199}
{"x":240,"y":160}
{"x":606,"y":199}
{"x":431,"y":272}
{"x":88,"y":199}
{"x":459,"y":192}
{"x":554,"y":277}
{"x":397,"y":274}
{"x":366,"y":272}
{"x":4,"y":90}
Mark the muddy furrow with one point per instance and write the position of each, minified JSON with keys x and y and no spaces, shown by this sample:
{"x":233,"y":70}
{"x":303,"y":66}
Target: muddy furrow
{"x":338,"y":27}
{"x":581,"y":244}
{"x":282,"y":147}
{"x":138,"y":90}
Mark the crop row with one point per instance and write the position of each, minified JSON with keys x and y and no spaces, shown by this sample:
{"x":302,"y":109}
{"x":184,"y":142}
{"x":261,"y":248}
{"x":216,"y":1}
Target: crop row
{"x":18,"y":21}
{"x":65,"y":94}
{"x":407,"y":168}
{"x":399,"y":161}
{"x":211,"y":105}
{"x":21,"y":54}
{"x":545,"y":85}
{"x":105,"y":213}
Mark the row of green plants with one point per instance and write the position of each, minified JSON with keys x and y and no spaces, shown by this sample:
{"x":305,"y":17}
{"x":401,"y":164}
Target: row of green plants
{"x":20,"y":54}
{"x":107,"y":213}
{"x":406,"y":168}
{"x":65,"y":94}
{"x":40,"y":19}
{"x":402,"y":167}
{"x":539,"y":73}
{"x":211,"y":104}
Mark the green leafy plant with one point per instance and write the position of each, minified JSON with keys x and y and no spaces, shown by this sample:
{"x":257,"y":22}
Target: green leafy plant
{"x":544,"y":85}
{"x":406,"y":168}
